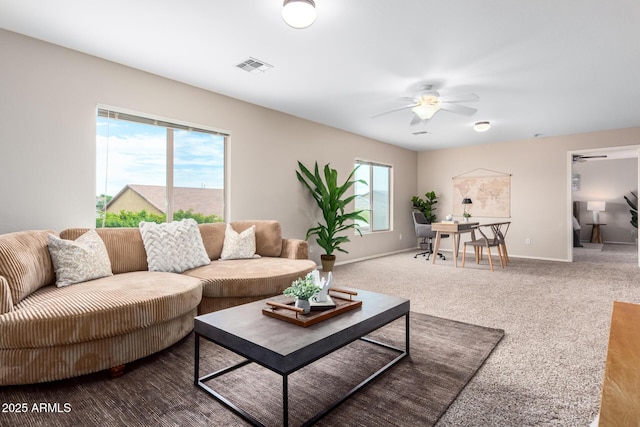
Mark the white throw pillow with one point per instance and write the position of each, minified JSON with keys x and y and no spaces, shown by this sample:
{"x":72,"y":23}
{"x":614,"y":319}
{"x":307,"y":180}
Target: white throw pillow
{"x":239,"y":245}
{"x":79,"y":260}
{"x":173,"y":246}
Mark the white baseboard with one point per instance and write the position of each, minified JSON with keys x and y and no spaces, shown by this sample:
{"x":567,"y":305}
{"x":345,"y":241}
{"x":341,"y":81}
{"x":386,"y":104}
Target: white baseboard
{"x":350,"y":261}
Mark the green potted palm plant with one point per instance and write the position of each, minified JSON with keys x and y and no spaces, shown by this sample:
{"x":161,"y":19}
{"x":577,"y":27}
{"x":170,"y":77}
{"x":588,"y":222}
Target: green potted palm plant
{"x":332,"y":200}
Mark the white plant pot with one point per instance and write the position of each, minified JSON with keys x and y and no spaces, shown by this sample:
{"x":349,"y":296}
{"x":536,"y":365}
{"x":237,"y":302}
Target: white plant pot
{"x":303,"y":304}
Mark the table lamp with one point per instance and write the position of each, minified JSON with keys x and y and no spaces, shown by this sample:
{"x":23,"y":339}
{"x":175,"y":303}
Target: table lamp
{"x":596,"y":207}
{"x":466,"y":201}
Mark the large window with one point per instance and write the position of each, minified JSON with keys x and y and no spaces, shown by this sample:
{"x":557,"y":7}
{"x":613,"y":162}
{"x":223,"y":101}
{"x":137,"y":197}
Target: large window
{"x":156,"y":171}
{"x":374,"y":197}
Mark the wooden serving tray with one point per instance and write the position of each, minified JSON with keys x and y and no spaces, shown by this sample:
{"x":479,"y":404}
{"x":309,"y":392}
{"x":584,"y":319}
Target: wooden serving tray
{"x":289,"y":313}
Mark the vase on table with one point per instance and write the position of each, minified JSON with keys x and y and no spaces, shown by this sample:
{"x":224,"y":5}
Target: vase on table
{"x":303,"y":304}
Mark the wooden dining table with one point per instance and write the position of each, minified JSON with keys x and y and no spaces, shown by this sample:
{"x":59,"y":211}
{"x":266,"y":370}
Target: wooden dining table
{"x":455,"y":229}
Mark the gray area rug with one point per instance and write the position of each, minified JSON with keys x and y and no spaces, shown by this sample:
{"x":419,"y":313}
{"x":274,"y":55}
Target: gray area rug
{"x":159,"y":390}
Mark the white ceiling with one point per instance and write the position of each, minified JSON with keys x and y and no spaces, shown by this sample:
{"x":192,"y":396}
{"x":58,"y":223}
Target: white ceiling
{"x":545,"y":67}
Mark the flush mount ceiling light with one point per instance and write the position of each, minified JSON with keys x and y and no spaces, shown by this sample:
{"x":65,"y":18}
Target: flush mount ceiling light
{"x":299,"y":13}
{"x":482,"y":126}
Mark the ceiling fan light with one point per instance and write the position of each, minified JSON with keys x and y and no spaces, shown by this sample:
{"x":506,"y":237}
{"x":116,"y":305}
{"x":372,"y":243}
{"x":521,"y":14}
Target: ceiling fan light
{"x":482,"y":126}
{"x":299,"y":13}
{"x":423,"y":112}
{"x":429,"y":105}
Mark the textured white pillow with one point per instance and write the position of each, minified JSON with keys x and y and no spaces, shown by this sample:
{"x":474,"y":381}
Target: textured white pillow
{"x":79,"y":260}
{"x":239,"y":245}
{"x":173,"y":246}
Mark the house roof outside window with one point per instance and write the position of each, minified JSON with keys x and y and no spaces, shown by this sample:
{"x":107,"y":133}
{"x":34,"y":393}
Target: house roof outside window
{"x":136,"y":197}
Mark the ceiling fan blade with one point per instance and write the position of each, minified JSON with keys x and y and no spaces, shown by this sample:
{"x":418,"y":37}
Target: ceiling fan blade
{"x":580,"y":158}
{"x":469,"y":97}
{"x":458,"y":109}
{"x":416,"y":120}
{"x":394,"y":110}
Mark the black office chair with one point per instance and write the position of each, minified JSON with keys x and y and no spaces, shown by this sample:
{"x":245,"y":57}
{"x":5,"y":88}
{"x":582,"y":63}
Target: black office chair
{"x":424,"y":232}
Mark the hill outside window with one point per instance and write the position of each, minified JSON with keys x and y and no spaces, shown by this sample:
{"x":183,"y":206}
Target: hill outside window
{"x":156,"y":171}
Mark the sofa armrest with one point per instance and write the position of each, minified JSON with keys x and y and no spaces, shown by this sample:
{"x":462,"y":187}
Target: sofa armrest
{"x":295,"y":249}
{"x":6,"y":302}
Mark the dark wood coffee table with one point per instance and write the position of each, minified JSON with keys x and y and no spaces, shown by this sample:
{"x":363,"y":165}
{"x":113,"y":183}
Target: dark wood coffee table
{"x":259,"y":338}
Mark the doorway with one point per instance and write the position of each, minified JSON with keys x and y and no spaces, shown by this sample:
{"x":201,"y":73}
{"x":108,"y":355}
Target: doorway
{"x":599,"y":180}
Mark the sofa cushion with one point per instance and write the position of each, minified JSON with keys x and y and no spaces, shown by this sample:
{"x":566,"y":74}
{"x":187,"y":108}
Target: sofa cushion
{"x":173,"y":246}
{"x":79,"y":260}
{"x":25,"y":262}
{"x":295,"y":248}
{"x":239,"y":245}
{"x":124,"y":245}
{"x":268,"y":236}
{"x":264,"y":276}
{"x":100,"y":308}
{"x":213,"y":238}
{"x":44,"y":364}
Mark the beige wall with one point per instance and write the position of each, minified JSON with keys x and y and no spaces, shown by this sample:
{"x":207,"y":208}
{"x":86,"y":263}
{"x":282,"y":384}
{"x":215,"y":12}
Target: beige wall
{"x":47,"y":136}
{"x":540,"y":184}
{"x":47,"y":160}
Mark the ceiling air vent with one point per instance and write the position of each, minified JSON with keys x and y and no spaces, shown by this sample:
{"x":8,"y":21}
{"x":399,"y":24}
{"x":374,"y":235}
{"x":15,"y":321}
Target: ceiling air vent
{"x":253,"y":65}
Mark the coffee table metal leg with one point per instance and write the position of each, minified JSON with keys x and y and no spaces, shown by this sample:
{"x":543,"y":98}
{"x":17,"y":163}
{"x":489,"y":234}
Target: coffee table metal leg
{"x":403,"y":353}
{"x":196,"y":363}
{"x":406,"y":331}
{"x":285,"y":400}
{"x":200,"y":382}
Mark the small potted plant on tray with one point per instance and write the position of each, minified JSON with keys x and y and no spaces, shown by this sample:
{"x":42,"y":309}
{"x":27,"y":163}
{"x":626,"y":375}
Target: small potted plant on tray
{"x":303,"y":289}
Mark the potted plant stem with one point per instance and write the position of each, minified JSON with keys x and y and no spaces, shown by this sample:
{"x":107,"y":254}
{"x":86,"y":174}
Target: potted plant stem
{"x":332,"y":200}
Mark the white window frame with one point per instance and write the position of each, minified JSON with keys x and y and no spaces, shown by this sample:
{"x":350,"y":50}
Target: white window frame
{"x":371,"y":165}
{"x":171,"y":124}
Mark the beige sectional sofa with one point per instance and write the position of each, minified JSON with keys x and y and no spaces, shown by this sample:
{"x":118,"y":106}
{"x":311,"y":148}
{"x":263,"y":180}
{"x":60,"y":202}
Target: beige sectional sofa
{"x":49,"y":333}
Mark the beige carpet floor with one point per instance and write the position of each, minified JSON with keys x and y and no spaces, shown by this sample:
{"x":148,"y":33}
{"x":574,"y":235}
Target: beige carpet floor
{"x":548,"y":368}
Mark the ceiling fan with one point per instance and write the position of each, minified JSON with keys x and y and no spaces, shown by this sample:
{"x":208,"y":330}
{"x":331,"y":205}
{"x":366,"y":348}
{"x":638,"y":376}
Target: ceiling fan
{"x":427,"y":102}
{"x":580,"y":158}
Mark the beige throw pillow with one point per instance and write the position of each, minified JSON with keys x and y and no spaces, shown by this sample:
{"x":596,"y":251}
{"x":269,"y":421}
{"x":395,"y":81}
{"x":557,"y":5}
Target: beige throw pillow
{"x":25,"y":262}
{"x":79,"y":260}
{"x":239,"y":245}
{"x":173,"y":246}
